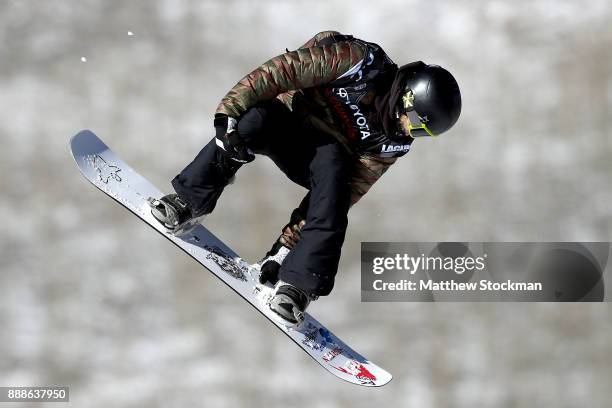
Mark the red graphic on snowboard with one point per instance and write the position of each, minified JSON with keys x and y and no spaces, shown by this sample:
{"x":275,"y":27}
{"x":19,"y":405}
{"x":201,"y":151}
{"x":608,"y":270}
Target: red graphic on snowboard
{"x":357,"y":370}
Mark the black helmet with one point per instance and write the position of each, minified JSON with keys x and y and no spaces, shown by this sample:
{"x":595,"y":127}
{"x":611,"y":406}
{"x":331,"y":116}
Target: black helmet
{"x":430,"y":98}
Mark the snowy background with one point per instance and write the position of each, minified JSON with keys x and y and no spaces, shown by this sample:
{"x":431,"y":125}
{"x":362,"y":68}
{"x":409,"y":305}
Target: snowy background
{"x":92,"y":299}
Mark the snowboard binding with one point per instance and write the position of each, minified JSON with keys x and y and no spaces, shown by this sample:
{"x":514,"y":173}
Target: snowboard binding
{"x":173,"y":213}
{"x":288,"y":304}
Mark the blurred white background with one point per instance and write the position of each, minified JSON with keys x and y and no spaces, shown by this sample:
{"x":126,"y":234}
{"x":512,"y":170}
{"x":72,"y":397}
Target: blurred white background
{"x":91,"y":298}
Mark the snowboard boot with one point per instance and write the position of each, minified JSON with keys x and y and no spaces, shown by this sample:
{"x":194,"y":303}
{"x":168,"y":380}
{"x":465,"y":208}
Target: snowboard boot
{"x":173,"y":213}
{"x":289,"y":303}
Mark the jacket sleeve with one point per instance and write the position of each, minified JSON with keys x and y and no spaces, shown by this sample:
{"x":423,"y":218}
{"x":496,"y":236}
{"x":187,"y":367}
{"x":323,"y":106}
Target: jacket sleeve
{"x":366,"y":171}
{"x":303,"y":68}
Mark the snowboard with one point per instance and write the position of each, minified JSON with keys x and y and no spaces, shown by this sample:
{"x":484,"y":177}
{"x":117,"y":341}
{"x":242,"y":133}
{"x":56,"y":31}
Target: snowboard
{"x":99,"y":164}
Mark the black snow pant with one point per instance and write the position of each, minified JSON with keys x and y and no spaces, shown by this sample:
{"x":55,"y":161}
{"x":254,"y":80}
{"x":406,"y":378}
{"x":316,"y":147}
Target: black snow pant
{"x":308,"y":158}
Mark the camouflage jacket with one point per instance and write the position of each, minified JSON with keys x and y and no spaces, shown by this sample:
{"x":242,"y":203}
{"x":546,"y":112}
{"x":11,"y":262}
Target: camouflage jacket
{"x":327,"y":82}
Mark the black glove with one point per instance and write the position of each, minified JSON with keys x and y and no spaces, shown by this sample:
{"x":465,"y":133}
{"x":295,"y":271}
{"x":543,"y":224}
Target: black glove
{"x":269,"y":272}
{"x":229,"y":141}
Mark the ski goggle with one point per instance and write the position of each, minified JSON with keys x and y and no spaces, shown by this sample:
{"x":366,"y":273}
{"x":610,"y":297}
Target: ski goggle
{"x":417,"y":127}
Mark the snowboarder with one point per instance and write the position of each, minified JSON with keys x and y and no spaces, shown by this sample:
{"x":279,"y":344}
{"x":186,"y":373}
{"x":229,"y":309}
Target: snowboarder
{"x":333,"y":115}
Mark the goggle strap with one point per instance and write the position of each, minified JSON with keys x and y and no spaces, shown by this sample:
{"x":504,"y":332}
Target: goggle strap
{"x":415,"y":120}
{"x":416,"y":124}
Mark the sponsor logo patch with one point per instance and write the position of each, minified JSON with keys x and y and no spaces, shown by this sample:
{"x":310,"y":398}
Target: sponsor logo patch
{"x":395,"y":148}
